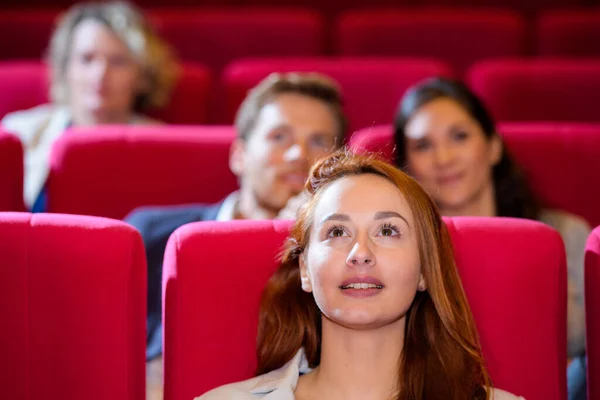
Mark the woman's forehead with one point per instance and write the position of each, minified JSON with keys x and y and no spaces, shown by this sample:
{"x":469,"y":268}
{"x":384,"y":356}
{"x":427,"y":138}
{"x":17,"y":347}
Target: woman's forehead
{"x":361,"y":194}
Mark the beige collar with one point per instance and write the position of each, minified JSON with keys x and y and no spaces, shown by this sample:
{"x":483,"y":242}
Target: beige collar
{"x":281,"y":383}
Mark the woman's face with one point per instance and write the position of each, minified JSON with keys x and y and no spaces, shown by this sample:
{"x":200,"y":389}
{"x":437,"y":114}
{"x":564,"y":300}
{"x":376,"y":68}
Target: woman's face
{"x":449,"y":154}
{"x":362,"y":261}
{"x":102,"y":75}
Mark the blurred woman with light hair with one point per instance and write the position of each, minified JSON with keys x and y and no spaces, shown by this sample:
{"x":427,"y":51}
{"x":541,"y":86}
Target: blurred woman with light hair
{"x":107,"y":65}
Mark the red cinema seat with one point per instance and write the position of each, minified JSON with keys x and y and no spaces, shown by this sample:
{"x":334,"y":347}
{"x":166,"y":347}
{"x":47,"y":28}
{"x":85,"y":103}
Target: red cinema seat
{"x":561,"y":161}
{"x":574,"y":33}
{"x":25,"y":84}
{"x":371,"y":87}
{"x":457,"y":36}
{"x":539,"y":90}
{"x":25,"y":33}
{"x":72,"y":305}
{"x":518,"y":298}
{"x":189,"y":103}
{"x":528,"y":8}
{"x":217,"y":37}
{"x":109,"y":171}
{"x":592,"y":310}
{"x":11,"y":173}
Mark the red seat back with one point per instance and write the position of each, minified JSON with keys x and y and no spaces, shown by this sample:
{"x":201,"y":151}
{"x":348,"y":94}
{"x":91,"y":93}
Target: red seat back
{"x":22,"y":85}
{"x":72,"y":305}
{"x":569,"y":33}
{"x":216,"y":37}
{"x":371,"y":87}
{"x":190,"y":100}
{"x":528,"y":8}
{"x":441,"y":34}
{"x":109,"y":171}
{"x":592,"y":313}
{"x":26,"y":84}
{"x":561,"y":161}
{"x":542,"y":90}
{"x":11,"y":173}
{"x":25,"y":33}
{"x":518,"y":298}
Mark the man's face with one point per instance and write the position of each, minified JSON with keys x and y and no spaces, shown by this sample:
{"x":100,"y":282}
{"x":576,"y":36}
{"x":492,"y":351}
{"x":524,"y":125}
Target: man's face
{"x":291,"y":133}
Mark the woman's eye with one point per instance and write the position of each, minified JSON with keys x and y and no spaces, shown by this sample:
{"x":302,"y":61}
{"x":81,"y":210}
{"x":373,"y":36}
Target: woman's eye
{"x":422,"y":145}
{"x":389,"y":230}
{"x":336,"y":232}
{"x":461,"y":136}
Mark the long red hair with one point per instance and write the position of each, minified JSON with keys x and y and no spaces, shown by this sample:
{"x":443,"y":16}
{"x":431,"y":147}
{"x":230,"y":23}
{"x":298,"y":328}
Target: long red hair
{"x":442,"y":357}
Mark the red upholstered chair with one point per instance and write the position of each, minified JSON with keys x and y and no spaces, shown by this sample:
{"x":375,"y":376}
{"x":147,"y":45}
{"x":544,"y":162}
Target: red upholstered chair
{"x":189,"y":103}
{"x":592,"y":310}
{"x":561,"y":161}
{"x":11,"y":173}
{"x":216,"y":37}
{"x":25,"y":33}
{"x":528,"y":8}
{"x":574,"y":33}
{"x":513,"y":272}
{"x":371,"y":87}
{"x":540,"y":90}
{"x":457,"y":36}
{"x":109,"y":171}
{"x":72,"y":305}
{"x":25,"y":84}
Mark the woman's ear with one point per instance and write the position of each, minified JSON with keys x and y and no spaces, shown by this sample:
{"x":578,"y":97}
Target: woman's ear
{"x":422,"y":286}
{"x":236,"y":157}
{"x":305,"y":275}
{"x":496,"y":149}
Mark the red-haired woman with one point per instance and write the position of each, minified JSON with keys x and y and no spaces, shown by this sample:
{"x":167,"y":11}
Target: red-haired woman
{"x":367,"y":303}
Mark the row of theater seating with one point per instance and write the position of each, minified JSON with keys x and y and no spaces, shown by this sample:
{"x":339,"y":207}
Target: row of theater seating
{"x":513,"y":89}
{"x":73,"y":312}
{"x":164,"y":165}
{"x":330,"y":8}
{"x":457,"y":36}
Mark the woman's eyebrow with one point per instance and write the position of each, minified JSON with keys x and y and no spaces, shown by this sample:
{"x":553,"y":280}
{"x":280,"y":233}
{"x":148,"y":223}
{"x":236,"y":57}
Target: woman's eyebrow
{"x":335,"y":217}
{"x":390,"y":214}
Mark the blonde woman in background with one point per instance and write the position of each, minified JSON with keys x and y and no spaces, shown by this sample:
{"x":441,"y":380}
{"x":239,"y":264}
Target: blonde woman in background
{"x":107,"y":65}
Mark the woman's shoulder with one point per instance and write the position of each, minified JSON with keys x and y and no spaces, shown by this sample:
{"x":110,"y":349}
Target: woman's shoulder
{"x":498,"y":394}
{"x":233,"y":391}
{"x":565,"y":223}
{"x":141,"y":119}
{"x":22,"y":116}
{"x":28,"y":123}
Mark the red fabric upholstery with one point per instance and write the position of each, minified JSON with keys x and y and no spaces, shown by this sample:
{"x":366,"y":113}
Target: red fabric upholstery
{"x":432,"y":33}
{"x":25,"y":33}
{"x":561,"y":161}
{"x":528,"y":8}
{"x":542,"y":90}
{"x":371,"y":87}
{"x":189,"y":103}
{"x":72,"y":305}
{"x":11,"y":173}
{"x":592,"y":309}
{"x":25,"y":85}
{"x":217,"y":37}
{"x":569,"y":33}
{"x":109,"y":171}
{"x":518,"y":298}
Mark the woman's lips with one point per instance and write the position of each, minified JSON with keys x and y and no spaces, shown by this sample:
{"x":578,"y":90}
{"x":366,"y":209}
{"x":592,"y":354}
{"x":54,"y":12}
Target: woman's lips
{"x":449,"y":179}
{"x":296,"y":180}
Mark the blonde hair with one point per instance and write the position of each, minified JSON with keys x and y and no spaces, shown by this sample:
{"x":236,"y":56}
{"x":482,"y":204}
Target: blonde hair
{"x":159,"y":68}
{"x":312,"y":84}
